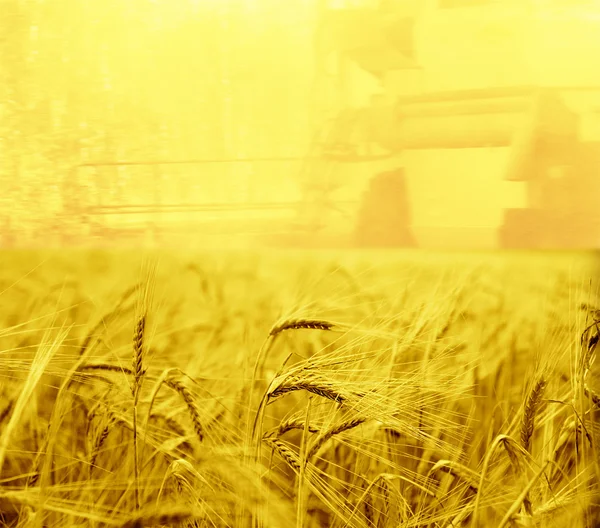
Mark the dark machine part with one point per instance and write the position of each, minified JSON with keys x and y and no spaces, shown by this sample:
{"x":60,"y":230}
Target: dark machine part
{"x":480,"y":118}
{"x":560,"y":171}
{"x":566,"y":214}
{"x":384,"y":218}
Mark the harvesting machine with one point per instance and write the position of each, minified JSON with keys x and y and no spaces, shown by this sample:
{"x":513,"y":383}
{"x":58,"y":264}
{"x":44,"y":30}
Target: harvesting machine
{"x":441,"y":123}
{"x":487,"y":115}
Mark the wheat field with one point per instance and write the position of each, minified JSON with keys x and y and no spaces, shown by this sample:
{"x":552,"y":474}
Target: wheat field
{"x":298,"y":389}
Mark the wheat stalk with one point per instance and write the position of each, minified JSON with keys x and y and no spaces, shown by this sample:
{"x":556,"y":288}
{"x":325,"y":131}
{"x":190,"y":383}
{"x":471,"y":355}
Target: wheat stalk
{"x":138,"y":356}
{"x":190,"y":402}
{"x":327,"y":435}
{"x":522,"y":496}
{"x":107,"y":367}
{"x":44,"y":354}
{"x":376,"y":481}
{"x":531,"y":406}
{"x":325,"y":389}
{"x":298,"y":324}
{"x":98,"y":445}
{"x":138,"y":373}
{"x":506,"y":441}
{"x":458,"y":471}
{"x":292,"y":424}
{"x":138,"y":368}
{"x":285,"y":452}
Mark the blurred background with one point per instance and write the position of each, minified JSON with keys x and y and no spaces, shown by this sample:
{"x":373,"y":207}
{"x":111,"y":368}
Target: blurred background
{"x":450,"y":124}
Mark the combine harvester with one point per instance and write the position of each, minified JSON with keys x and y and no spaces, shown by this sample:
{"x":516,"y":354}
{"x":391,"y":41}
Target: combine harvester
{"x":489,"y":113}
{"x":448,"y":124}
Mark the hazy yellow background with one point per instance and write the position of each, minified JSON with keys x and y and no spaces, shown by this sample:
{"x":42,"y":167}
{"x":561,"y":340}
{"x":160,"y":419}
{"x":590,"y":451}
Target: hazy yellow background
{"x":214,"y":81}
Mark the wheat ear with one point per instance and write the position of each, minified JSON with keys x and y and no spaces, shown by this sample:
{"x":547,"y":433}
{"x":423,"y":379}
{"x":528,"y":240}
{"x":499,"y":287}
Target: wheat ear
{"x":138,"y":373}
{"x":530,"y":411}
{"x":327,"y":435}
{"x":298,"y":324}
{"x":325,"y":389}
{"x":190,"y":402}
